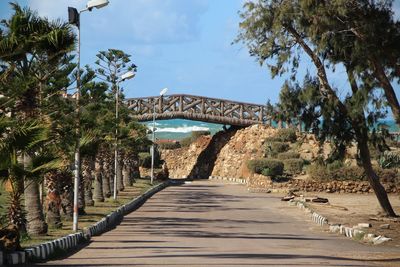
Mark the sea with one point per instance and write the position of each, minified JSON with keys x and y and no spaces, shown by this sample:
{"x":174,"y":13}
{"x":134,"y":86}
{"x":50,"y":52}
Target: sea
{"x":177,"y":129}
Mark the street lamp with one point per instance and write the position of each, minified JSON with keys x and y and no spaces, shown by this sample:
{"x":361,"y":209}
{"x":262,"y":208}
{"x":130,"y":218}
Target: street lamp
{"x":74,"y":18}
{"x":162,"y":93}
{"x":126,"y":76}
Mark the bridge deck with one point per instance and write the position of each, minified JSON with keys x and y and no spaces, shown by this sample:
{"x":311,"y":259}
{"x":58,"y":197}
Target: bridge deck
{"x":198,"y":108}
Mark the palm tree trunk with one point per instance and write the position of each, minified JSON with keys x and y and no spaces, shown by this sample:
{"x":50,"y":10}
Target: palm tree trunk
{"x":106,"y":177}
{"x":98,"y":180}
{"x":119,"y":174}
{"x":126,"y":172}
{"x":53,"y":199}
{"x":34,"y":210}
{"x":16,"y":214}
{"x":81,"y":197}
{"x":87,"y":175}
{"x":134,"y":166}
{"x":67,"y":195}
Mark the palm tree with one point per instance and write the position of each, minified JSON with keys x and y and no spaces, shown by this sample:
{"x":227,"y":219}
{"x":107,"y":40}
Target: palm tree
{"x":33,"y":48}
{"x":16,"y":141}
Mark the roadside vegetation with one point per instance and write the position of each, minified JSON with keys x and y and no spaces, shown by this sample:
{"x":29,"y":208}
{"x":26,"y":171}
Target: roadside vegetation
{"x":38,"y":122}
{"x":362,"y":39}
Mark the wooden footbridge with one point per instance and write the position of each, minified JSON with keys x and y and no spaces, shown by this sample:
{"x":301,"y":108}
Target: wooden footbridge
{"x":197,"y":108}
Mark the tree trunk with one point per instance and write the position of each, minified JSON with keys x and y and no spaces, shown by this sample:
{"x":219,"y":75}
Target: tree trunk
{"x":106,"y":178}
{"x":134,"y":167}
{"x":120,"y":182}
{"x":390,"y":94}
{"x":81,"y":197}
{"x":34,"y":210}
{"x":98,"y":181}
{"x":87,"y":176}
{"x":380,"y":192}
{"x":279,"y":124}
{"x":67,"y":195}
{"x":53,"y":199}
{"x":361,"y":134}
{"x":16,"y":214}
{"x":126,"y":172}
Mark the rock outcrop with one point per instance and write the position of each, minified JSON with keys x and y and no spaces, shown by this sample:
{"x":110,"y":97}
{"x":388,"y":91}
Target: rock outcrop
{"x":246,"y":144}
{"x":181,"y":161}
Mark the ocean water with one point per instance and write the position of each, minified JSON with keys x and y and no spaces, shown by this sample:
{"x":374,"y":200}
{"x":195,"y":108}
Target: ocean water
{"x":178,"y":128}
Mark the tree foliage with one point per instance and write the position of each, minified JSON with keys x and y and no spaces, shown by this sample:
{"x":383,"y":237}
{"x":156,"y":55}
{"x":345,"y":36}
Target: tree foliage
{"x":278,"y":33}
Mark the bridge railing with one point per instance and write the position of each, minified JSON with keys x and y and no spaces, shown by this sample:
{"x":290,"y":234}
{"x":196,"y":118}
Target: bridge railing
{"x":198,"y":108}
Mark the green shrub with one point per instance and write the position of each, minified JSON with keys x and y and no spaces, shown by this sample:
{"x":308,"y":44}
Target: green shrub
{"x":389,"y":159}
{"x":318,"y":172}
{"x":169,"y":145}
{"x":388,"y":175}
{"x":293,"y":166}
{"x":274,"y":148}
{"x":283,"y":135}
{"x":288,"y":155}
{"x":349,"y":173}
{"x":197,"y":134}
{"x":145,"y":159}
{"x":185,"y":142}
{"x":263,"y":166}
{"x":345,"y":173}
{"x":273,"y":168}
{"x":256,"y":165}
{"x":334,"y":165}
{"x":272,"y":139}
{"x":287,"y":135}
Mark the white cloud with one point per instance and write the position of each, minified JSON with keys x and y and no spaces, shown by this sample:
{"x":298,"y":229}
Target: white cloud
{"x":144,"y":21}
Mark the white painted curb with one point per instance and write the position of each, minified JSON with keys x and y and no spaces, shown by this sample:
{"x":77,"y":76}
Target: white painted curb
{"x":350,"y":232}
{"x":230,"y":179}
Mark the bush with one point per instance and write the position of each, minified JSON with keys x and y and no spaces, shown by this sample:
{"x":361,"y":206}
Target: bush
{"x":388,"y":175}
{"x":288,"y":155}
{"x":193,"y":137}
{"x":287,"y":135}
{"x":274,"y":148}
{"x":145,"y":159}
{"x":169,"y":145}
{"x":273,"y":168}
{"x":346,"y":173}
{"x":197,"y":134}
{"x":283,"y":135}
{"x":389,"y":159}
{"x":293,"y":166}
{"x":349,"y":173}
{"x":318,"y":172}
{"x":334,"y":165}
{"x":268,"y":167}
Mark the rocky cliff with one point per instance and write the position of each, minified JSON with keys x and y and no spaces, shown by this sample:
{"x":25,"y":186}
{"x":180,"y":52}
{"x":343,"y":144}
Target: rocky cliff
{"x":224,"y":154}
{"x":246,"y":144}
{"x":181,"y":161}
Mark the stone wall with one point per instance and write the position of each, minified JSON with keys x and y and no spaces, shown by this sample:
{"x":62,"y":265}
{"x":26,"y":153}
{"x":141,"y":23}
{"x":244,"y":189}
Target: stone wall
{"x":316,"y":186}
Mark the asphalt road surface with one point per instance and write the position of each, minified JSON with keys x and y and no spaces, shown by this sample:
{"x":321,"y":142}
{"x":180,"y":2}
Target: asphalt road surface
{"x":219,"y":224}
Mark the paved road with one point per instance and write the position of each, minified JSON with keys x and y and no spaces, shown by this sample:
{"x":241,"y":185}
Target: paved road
{"x":217,"y":224}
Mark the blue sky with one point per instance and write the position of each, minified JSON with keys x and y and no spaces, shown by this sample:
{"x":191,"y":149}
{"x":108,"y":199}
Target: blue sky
{"x":184,"y":45}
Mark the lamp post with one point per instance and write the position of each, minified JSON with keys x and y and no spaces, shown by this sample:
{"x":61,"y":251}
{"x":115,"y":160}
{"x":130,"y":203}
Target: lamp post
{"x":162,"y":93}
{"x":74,"y":18}
{"x":126,"y":76}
